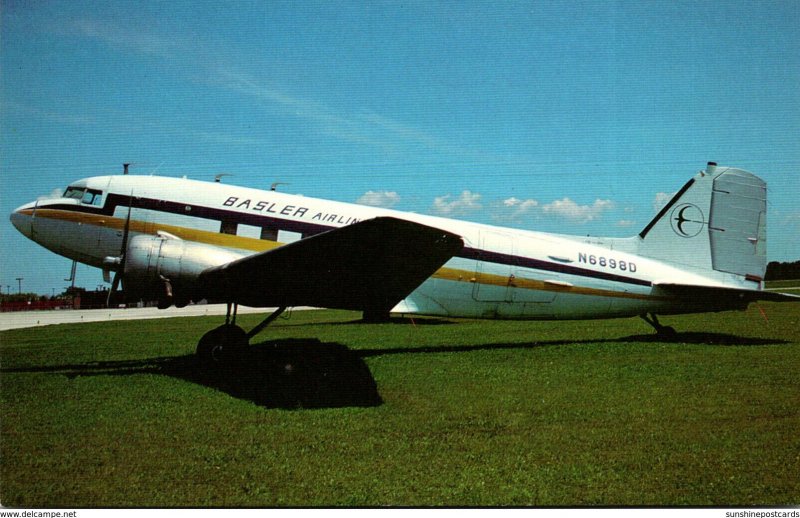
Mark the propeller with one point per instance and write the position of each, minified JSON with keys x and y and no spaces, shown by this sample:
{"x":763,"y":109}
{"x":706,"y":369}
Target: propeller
{"x":120,"y":259}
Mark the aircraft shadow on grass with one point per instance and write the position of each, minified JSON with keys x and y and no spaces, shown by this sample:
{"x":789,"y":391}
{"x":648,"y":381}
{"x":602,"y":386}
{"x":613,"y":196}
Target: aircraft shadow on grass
{"x":287,"y":374}
{"x":702,"y":338}
{"x":307,"y":373}
{"x":716,"y":339}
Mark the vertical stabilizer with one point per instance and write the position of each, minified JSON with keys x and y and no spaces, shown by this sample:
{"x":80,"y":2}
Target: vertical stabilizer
{"x":716,"y":222}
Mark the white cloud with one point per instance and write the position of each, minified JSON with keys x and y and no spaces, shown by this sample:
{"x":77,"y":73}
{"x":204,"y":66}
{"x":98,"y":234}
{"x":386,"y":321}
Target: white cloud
{"x":191,"y":59}
{"x":55,"y":193}
{"x":384,"y":199}
{"x":513,"y":209}
{"x":211,"y":66}
{"x":625,"y":223}
{"x":524,"y":205}
{"x":568,"y":209}
{"x":113,"y":34}
{"x":661,"y":199}
{"x":467,"y":202}
{"x":516,"y":210}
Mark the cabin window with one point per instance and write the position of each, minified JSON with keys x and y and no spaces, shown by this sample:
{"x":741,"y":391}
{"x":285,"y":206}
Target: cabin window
{"x":249,"y":231}
{"x":269,"y":234}
{"x":228,"y":227}
{"x":287,"y":236}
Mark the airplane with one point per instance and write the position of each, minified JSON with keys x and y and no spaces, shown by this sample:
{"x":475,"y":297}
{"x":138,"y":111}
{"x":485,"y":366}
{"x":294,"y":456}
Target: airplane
{"x":179,"y":241}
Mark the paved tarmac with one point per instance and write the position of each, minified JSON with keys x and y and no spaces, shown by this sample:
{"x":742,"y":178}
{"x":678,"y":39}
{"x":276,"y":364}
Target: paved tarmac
{"x":23,"y":319}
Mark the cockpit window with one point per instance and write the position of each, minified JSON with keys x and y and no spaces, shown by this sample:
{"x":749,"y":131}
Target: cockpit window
{"x":87,"y":196}
{"x":74,"y":192}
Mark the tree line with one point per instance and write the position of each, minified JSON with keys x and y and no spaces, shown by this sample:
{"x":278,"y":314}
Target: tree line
{"x":782,"y":271}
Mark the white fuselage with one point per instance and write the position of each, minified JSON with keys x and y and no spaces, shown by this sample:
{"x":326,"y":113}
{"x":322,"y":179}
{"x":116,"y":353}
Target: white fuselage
{"x":500,"y":273}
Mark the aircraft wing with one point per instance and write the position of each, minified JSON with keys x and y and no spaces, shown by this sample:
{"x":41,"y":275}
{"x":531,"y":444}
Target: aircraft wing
{"x":373,"y":264}
{"x":718,"y":296}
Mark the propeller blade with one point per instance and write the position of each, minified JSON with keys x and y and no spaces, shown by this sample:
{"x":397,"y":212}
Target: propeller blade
{"x":114,"y":287}
{"x":125,"y":232}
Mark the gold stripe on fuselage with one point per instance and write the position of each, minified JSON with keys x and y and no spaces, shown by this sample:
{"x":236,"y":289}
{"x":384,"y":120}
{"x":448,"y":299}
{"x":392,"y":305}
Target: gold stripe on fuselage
{"x":261,"y":245}
{"x":487,"y":279}
{"x":143,"y":227}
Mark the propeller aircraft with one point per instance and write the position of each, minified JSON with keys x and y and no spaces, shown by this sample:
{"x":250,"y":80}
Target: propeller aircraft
{"x":178,"y":241}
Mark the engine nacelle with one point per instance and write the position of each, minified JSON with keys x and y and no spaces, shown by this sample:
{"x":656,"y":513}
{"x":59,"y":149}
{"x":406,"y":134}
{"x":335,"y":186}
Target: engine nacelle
{"x":165,"y":268}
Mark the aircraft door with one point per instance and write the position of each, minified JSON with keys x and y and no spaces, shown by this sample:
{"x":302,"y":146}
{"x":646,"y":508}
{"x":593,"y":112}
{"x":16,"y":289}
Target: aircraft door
{"x":103,"y":235}
{"x":529,"y":280}
{"x":494,"y":268}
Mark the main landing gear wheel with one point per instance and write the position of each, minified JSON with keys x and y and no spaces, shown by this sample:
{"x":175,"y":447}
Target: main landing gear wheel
{"x":218,"y":342}
{"x":225,"y":341}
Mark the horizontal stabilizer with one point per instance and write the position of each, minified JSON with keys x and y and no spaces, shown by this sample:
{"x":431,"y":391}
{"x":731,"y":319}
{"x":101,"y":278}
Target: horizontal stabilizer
{"x":373,"y":264}
{"x":721,"y":296}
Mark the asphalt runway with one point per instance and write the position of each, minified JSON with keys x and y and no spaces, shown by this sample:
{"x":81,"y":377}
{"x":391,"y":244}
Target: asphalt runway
{"x":24,"y":319}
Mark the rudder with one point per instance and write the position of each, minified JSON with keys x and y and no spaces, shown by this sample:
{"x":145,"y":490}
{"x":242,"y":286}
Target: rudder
{"x":738,"y":224}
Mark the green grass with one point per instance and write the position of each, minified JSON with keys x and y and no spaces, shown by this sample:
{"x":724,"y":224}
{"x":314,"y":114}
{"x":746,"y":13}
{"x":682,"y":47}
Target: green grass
{"x":413,"y":413}
{"x":790,"y":284}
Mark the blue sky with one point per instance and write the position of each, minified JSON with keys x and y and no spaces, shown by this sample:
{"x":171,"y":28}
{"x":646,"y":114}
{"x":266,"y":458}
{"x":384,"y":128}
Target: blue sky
{"x":575,"y":117}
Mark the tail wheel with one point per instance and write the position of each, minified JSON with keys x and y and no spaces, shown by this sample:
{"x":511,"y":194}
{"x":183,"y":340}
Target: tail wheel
{"x":667,"y":333}
{"x":662,"y":332}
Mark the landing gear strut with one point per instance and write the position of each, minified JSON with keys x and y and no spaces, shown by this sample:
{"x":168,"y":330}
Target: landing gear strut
{"x":229,"y":337}
{"x":665,"y":332}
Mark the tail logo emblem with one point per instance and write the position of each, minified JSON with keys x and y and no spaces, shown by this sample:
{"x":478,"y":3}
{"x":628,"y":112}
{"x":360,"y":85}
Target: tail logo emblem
{"x":687,"y":220}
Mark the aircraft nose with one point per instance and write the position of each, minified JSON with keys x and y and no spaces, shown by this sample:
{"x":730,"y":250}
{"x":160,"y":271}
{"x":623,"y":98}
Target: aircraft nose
{"x":22,"y":219}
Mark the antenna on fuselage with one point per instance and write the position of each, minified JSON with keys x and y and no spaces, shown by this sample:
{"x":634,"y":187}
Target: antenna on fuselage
{"x":274,"y":186}
{"x":219,"y":176}
{"x":125,"y":168}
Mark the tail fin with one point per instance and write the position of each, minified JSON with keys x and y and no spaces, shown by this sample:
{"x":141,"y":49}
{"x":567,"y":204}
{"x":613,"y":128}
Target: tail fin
{"x":717,"y":221}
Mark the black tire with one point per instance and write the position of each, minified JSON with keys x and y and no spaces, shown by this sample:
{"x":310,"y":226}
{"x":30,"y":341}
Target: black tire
{"x":217,"y":344}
